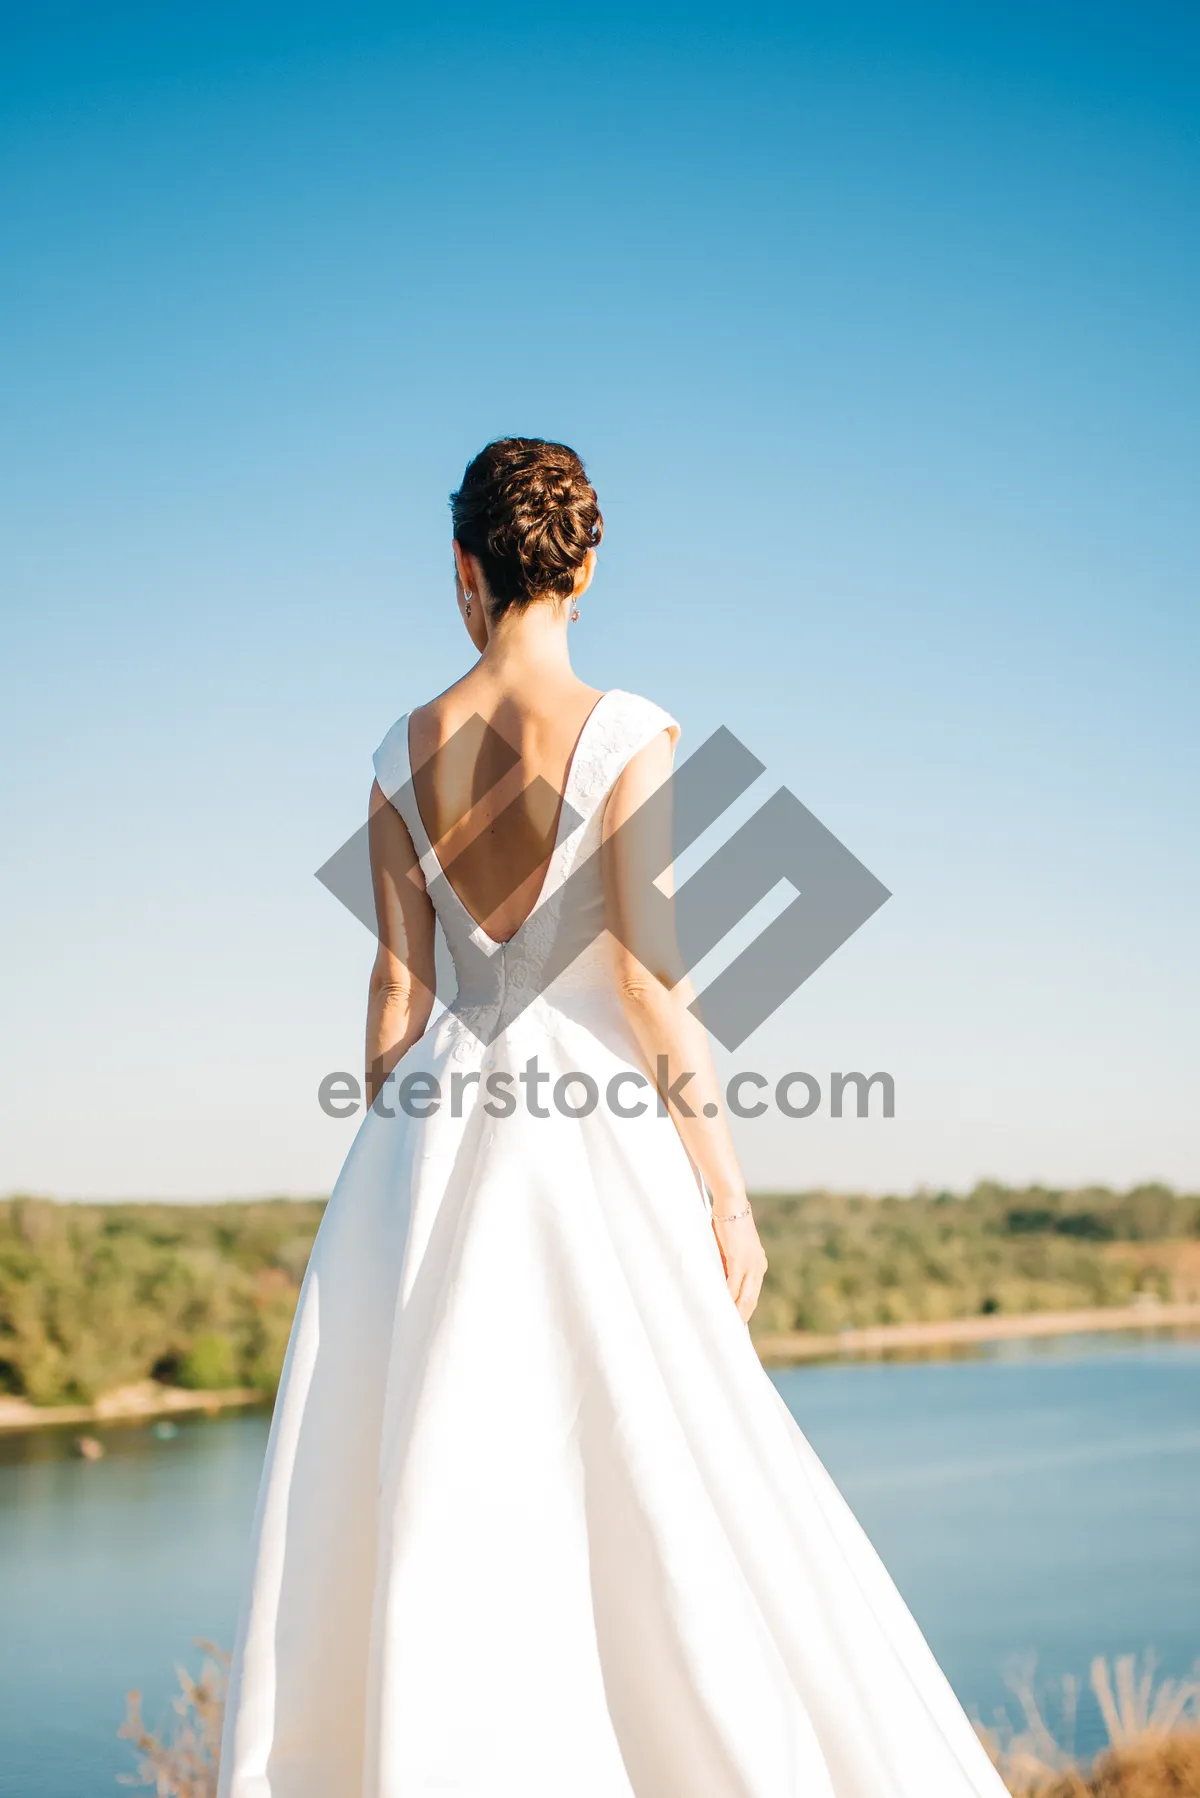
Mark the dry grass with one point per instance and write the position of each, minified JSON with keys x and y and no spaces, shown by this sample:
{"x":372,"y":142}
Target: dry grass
{"x":181,"y":1762}
{"x":1153,"y":1728}
{"x":1168,"y":1768}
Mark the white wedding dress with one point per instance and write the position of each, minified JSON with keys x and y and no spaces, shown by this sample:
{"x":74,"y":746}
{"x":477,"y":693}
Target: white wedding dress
{"x":534,"y":1523}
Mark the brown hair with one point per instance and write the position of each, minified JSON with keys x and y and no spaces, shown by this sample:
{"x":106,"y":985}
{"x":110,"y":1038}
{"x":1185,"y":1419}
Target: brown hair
{"x":528,"y":512}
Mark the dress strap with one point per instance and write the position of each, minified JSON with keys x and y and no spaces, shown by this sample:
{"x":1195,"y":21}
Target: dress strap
{"x":393,"y":771}
{"x":622,"y":724}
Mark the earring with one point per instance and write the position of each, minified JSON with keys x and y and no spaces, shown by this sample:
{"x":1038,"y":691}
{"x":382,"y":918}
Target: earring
{"x":574,"y":612}
{"x":466,"y":603}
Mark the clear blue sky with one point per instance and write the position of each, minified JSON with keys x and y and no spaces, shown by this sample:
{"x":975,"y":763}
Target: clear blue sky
{"x":877,"y":330}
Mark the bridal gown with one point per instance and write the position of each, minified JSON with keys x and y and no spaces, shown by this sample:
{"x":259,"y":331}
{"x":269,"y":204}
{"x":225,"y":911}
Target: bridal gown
{"x":534,"y":1523}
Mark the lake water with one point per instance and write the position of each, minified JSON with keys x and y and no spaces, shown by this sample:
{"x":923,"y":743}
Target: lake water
{"x":1041,"y":1499}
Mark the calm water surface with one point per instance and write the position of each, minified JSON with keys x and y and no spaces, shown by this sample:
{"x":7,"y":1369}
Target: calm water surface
{"x":1040,"y":1499}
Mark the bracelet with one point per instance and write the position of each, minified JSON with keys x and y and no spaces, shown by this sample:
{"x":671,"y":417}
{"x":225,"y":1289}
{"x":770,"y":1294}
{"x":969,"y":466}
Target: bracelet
{"x":733,"y":1217}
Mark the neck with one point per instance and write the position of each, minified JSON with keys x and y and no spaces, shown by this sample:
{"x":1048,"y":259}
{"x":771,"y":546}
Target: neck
{"x":533,"y":639}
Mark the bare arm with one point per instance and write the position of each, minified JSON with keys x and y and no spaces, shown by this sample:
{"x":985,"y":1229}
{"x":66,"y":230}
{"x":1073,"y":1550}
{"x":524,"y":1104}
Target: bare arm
{"x":656,"y":994}
{"x":400,"y":996}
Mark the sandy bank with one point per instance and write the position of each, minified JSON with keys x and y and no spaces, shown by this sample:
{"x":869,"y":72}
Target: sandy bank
{"x":879,"y":1339}
{"x":129,"y":1404}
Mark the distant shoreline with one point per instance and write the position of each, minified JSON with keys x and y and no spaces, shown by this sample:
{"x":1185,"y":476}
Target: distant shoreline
{"x":146,"y":1400}
{"x":782,"y":1349}
{"x":130,"y":1404}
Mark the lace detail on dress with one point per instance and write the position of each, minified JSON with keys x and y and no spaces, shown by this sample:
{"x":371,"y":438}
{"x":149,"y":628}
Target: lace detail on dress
{"x":622,"y":724}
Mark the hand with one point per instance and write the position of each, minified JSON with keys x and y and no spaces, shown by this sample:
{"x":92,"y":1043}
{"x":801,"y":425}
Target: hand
{"x":742,"y":1255}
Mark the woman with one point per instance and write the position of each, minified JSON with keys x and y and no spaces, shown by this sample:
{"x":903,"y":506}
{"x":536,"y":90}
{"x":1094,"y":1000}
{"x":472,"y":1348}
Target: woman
{"x":534,"y":1523}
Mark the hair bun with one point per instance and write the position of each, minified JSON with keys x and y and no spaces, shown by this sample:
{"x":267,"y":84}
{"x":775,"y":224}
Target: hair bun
{"x":528,"y":512}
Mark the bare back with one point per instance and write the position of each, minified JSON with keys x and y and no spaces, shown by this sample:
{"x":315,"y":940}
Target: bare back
{"x":490,"y":760}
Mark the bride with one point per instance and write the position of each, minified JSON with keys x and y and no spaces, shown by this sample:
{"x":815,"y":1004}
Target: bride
{"x":534,"y":1523}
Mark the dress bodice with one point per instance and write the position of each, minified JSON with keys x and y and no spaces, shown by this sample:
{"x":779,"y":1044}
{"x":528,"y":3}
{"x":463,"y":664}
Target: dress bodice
{"x":561,"y":948}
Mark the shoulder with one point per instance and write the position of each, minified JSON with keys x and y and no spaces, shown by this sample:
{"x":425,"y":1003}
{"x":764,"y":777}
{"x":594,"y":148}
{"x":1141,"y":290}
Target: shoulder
{"x":391,"y":758}
{"x":639,"y":720}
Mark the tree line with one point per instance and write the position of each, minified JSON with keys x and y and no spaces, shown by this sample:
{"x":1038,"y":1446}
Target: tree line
{"x":93,"y":1297}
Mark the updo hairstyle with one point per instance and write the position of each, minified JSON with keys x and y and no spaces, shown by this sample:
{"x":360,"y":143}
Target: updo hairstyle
{"x":527,"y":511}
